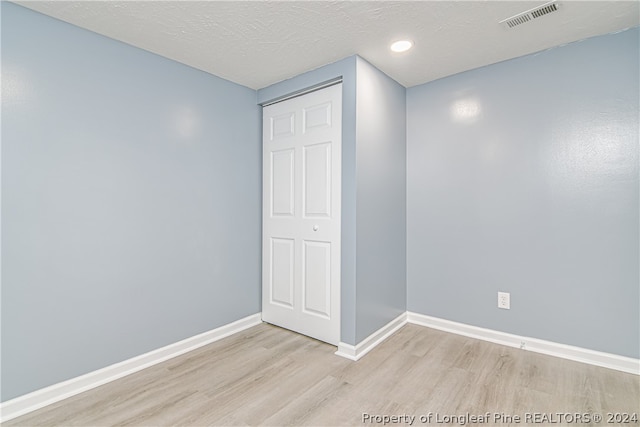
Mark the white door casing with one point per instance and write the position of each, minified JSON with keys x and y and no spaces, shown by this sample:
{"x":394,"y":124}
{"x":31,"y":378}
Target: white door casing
{"x":302,"y":147}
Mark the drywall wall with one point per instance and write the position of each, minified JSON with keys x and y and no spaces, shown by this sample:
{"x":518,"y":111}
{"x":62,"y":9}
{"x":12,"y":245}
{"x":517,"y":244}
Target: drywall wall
{"x":523,"y":177}
{"x":381,"y":199}
{"x":130,"y":201}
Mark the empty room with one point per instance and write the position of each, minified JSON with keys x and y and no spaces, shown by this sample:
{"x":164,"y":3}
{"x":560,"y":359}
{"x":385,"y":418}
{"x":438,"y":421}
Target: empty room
{"x":320,"y":213}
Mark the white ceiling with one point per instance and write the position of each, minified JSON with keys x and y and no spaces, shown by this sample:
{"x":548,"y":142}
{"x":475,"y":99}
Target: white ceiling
{"x":256,"y":44}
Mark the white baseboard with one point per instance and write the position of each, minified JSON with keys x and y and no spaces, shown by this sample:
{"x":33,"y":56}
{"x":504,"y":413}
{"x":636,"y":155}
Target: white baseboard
{"x":578,"y":354}
{"x":365,"y":346}
{"x":57,"y":392}
{"x":46,"y":396}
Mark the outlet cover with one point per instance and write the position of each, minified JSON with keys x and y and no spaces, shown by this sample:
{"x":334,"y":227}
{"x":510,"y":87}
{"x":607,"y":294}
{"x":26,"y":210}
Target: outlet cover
{"x":504,"y":300}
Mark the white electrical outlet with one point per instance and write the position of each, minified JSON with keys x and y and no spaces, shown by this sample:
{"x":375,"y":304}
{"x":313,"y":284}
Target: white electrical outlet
{"x":504,"y":300}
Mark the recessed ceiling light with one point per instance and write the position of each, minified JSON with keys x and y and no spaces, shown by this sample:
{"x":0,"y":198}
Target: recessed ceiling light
{"x":401,"y":46}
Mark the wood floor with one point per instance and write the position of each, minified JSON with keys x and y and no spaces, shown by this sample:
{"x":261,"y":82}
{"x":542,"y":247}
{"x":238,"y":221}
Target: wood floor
{"x":270,"y":376}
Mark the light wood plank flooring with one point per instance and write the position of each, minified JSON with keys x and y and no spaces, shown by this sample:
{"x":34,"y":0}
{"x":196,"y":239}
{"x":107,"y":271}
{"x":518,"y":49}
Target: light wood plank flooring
{"x":270,"y":376}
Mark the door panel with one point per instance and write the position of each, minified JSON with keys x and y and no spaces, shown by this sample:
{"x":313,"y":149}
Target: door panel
{"x":315,"y":117}
{"x":317,"y":180}
{"x":282,"y":183}
{"x":282,"y":126}
{"x":282,"y":273}
{"x":302,"y":149}
{"x":316,"y":278}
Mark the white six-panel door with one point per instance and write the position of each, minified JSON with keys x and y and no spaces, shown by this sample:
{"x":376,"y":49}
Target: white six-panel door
{"x":302,"y":141}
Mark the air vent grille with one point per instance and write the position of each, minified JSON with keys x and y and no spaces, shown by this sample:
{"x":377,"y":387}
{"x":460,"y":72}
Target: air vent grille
{"x":530,"y":15}
{"x":544,"y":10}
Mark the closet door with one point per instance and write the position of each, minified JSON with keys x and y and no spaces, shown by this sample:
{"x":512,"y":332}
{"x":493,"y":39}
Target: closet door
{"x":302,"y":140}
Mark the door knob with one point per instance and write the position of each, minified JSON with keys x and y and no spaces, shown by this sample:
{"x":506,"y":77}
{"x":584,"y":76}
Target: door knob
{"x":315,"y":227}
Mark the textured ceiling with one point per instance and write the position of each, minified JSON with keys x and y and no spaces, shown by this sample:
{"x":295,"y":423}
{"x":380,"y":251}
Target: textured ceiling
{"x":256,"y":44}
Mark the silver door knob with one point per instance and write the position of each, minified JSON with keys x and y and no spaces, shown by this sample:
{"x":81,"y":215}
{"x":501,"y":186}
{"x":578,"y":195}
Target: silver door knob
{"x":315,"y":227}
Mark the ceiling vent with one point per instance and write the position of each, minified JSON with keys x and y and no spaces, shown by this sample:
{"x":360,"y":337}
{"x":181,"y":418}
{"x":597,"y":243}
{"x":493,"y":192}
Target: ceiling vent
{"x":531,"y":14}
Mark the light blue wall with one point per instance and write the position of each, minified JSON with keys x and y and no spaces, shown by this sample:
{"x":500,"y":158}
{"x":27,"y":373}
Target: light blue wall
{"x":381,"y":200}
{"x":523,"y":177}
{"x":122,"y":172}
{"x":346,"y":69}
{"x":130,"y":201}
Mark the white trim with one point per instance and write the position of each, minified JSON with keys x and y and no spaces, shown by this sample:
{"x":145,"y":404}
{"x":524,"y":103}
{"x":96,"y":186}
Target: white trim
{"x":46,"y":396}
{"x":365,"y":346}
{"x":564,"y":351}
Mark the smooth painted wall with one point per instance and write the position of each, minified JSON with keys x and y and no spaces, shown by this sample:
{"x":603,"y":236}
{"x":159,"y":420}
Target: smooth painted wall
{"x":380,"y":199}
{"x":130,"y":201}
{"x":523,"y":177}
